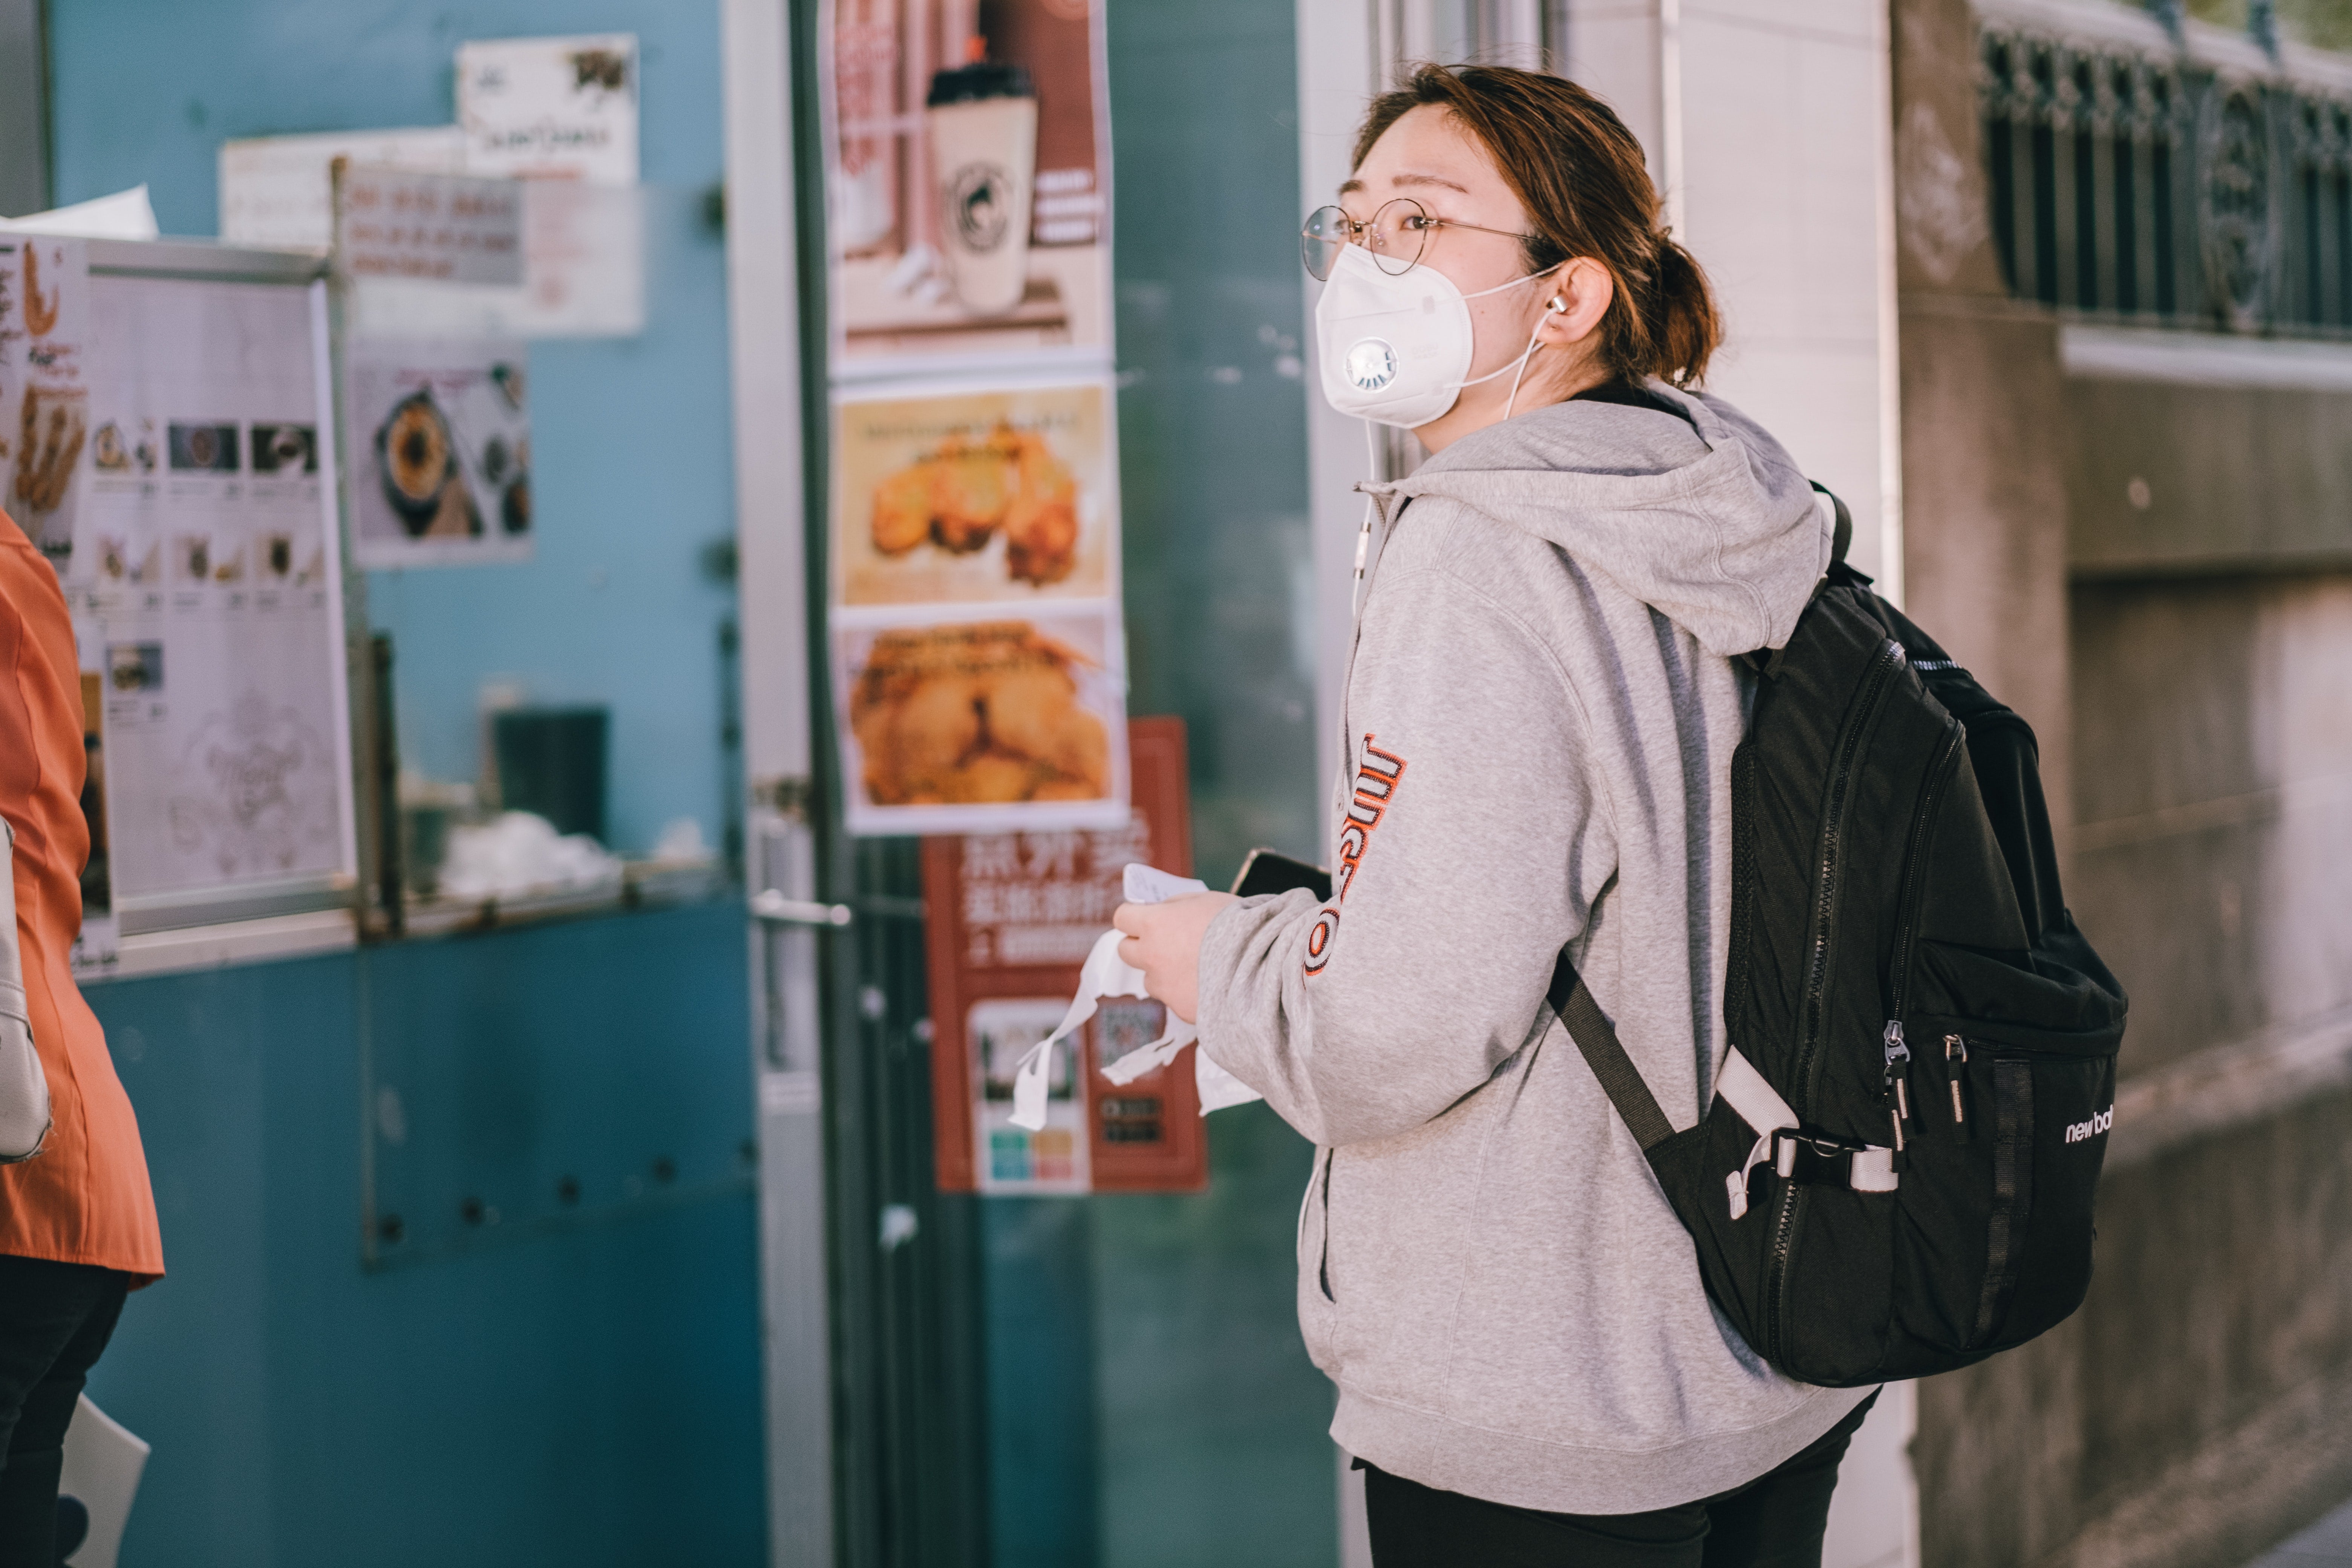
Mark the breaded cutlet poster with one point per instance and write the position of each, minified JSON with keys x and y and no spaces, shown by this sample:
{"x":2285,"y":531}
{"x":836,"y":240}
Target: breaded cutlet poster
{"x":968,"y":726}
{"x":1004,"y":495}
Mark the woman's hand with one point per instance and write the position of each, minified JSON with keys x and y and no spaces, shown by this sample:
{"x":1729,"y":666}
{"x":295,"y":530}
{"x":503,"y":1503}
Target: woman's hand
{"x":1164,"y":941}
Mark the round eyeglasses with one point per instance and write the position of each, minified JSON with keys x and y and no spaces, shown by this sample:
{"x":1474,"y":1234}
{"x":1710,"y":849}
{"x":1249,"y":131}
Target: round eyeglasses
{"x":1395,"y":236}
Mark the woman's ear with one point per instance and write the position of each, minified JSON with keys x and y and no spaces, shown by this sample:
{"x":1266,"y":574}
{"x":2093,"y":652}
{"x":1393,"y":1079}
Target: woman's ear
{"x":1581,"y":290}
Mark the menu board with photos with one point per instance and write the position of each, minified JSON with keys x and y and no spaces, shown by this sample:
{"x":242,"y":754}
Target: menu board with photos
{"x":205,"y":581}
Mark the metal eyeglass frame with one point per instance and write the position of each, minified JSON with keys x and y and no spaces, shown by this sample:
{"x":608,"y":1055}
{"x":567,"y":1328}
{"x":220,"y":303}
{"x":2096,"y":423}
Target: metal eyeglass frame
{"x":1416,"y":220}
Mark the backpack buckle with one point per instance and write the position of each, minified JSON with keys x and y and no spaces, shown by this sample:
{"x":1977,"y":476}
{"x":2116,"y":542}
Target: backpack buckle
{"x":1820,"y":1158}
{"x":1811,"y":1156}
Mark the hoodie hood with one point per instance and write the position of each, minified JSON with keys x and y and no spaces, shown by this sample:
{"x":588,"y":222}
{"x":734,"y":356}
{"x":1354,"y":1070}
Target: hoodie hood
{"x":1709,"y":523}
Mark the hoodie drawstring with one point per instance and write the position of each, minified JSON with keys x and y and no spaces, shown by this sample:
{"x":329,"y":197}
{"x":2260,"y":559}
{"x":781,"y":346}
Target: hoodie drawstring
{"x":1364,"y":533}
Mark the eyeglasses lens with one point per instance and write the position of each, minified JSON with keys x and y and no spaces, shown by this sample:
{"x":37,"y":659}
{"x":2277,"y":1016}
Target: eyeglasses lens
{"x":1394,"y":237}
{"x":1397,"y":232}
{"x":1321,"y":240}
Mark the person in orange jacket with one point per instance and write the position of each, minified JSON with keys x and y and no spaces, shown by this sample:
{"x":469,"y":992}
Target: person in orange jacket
{"x":77,"y":1220}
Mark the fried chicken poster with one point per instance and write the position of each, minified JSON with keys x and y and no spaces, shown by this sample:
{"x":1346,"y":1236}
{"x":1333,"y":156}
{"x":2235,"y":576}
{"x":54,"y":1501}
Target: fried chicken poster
{"x":963,"y":726}
{"x":44,"y":389}
{"x":998,"y":497}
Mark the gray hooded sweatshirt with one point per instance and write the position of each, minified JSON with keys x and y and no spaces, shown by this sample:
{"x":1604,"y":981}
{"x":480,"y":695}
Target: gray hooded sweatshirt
{"x":1540,"y":717}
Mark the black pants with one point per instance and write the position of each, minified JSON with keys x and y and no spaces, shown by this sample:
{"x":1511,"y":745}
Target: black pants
{"x":1774,"y":1521}
{"x":55,"y":1319}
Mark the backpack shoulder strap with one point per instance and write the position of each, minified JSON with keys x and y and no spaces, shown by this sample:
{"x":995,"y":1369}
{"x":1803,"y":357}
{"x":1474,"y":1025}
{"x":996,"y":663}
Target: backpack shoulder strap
{"x":1843,"y":539}
{"x":1572,"y":1000}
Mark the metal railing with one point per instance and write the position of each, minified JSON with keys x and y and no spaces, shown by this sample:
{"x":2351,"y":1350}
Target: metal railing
{"x":2175,"y":179}
{"x":1532,"y":34}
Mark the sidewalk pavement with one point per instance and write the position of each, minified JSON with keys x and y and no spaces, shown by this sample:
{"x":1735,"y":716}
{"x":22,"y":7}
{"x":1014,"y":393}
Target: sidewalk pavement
{"x":2327,"y":1544}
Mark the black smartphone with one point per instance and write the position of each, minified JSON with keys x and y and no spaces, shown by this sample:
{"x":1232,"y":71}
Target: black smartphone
{"x":1267,"y":872}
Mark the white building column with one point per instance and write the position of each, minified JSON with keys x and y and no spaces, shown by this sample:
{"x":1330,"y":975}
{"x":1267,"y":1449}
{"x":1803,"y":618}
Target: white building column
{"x":1768,"y":125}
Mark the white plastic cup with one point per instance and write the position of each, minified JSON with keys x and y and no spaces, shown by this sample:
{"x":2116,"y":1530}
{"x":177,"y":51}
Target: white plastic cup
{"x":983,"y":121}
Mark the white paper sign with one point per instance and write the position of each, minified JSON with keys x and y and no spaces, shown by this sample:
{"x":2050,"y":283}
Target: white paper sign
{"x":437,"y":228}
{"x":278,"y":191}
{"x":562,"y":114}
{"x":561,"y":107}
{"x":104,"y":1462}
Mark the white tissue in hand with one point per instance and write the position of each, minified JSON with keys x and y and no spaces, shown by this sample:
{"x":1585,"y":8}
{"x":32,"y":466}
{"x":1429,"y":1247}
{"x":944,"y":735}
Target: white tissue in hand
{"x":1107,"y":974}
{"x":1217,"y":1087}
{"x":1149,"y":885}
{"x":1104,"y":974}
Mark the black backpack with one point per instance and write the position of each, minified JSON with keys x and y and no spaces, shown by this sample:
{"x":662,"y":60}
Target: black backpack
{"x":1894,"y":1177}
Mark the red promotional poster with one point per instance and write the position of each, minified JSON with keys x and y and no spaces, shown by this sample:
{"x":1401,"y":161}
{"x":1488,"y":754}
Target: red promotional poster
{"x":1012,"y":918}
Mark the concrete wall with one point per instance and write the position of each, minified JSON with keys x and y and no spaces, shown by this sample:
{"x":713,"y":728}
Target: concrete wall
{"x":2141,"y":541}
{"x":2199,"y":1408}
{"x":2237,"y":812}
{"x":2200,"y":475}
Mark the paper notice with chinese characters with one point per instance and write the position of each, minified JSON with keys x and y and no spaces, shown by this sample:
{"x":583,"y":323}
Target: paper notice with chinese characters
{"x":278,"y":191}
{"x":427,"y":228}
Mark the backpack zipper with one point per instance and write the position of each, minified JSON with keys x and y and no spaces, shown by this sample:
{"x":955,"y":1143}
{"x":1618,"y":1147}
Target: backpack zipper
{"x":1914,"y":873}
{"x":1897,"y":1089}
{"x":1784,"y":1218}
{"x":1825,"y":882}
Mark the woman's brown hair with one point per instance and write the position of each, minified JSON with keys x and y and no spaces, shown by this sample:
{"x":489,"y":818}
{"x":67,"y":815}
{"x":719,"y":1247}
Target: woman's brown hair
{"x":1580,"y":175}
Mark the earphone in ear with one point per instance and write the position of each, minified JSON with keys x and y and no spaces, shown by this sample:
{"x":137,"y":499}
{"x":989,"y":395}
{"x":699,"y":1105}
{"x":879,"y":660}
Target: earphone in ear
{"x":1556,"y":307}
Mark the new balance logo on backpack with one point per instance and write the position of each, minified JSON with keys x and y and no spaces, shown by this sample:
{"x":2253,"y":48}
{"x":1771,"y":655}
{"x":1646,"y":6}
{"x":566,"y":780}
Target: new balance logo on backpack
{"x":1912,"y":1019}
{"x":2083,"y":1131}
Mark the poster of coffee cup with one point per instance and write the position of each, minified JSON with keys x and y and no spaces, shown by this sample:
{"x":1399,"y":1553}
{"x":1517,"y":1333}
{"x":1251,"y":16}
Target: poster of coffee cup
{"x":1001,"y":496}
{"x":969,"y":176}
{"x":963,"y":726}
{"x":439,"y":438}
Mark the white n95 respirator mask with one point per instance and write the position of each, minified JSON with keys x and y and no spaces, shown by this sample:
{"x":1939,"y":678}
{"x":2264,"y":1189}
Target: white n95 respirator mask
{"x":1396,"y":348}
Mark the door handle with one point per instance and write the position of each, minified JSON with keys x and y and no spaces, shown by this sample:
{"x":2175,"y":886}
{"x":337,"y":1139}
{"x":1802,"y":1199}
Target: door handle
{"x":777,"y":909}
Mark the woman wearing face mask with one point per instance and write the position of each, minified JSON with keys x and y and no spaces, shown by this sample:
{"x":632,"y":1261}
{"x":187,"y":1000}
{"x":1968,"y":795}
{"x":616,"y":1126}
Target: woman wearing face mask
{"x":1540,"y":716}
